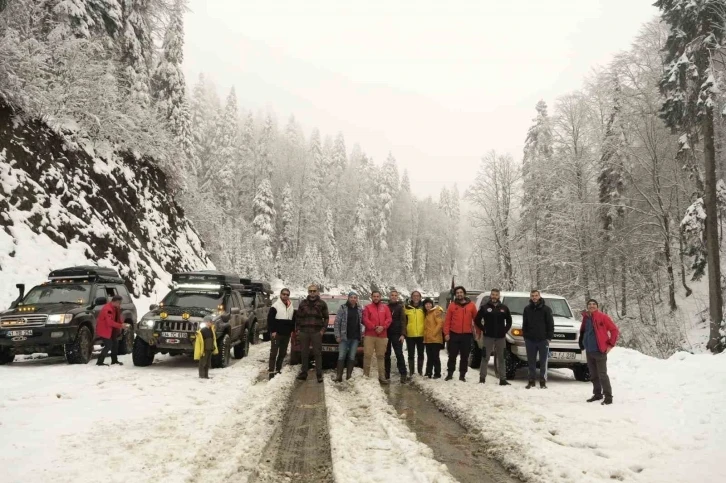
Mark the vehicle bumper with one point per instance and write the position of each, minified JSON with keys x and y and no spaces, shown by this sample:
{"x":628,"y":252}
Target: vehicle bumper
{"x":155,"y":339}
{"x":42,"y":337}
{"x":561,"y":354}
{"x":328,"y":347}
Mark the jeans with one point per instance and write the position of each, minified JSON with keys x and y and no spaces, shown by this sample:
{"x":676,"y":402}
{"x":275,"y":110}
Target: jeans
{"x":112,"y":345}
{"x":348,"y":348}
{"x":433,"y":359}
{"x":497,"y":346}
{"x":308,"y":336}
{"x":459,"y":344}
{"x":413,"y":345}
{"x":597,"y":362}
{"x":534,"y":347}
{"x":394,"y":345}
{"x":378,"y":345}
{"x":204,"y":363}
{"x":278,"y":351}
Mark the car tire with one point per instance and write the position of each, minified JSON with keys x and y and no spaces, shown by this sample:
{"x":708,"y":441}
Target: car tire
{"x":242,"y":349}
{"x":221,"y":360}
{"x":7,"y":355}
{"x":295,"y":358}
{"x":143,"y":354}
{"x":80,"y":350}
{"x":582,"y":372}
{"x":126,"y":344}
{"x":254,"y":335}
{"x":475,"y":356}
{"x":512,"y":364}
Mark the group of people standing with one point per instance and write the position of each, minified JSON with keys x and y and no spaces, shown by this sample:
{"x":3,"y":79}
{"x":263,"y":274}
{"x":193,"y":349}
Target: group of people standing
{"x":382,"y":328}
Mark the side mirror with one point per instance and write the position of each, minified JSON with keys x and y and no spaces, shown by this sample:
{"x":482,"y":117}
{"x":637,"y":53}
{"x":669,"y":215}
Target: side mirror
{"x":235,"y":311}
{"x":153,"y":307}
{"x":99,"y":301}
{"x":13,"y":304}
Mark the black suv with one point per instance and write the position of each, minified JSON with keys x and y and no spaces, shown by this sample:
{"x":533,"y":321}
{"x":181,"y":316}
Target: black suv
{"x":58,"y":317}
{"x":171,"y":326}
{"x":256,"y":296}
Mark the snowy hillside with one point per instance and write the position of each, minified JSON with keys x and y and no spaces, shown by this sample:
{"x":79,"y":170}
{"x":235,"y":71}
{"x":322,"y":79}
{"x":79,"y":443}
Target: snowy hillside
{"x":63,"y":204}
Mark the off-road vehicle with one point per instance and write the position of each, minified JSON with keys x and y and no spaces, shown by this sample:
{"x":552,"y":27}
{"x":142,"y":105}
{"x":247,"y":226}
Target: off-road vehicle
{"x":256,"y":296}
{"x":171,"y":326}
{"x":58,"y":317}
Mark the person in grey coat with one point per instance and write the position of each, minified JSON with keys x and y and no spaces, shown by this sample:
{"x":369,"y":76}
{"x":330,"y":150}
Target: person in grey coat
{"x":349,"y":332}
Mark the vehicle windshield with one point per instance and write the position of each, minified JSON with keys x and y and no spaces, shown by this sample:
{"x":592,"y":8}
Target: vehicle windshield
{"x":517,"y":304}
{"x":54,"y":294}
{"x":194,"y":299}
{"x":334,"y":305}
{"x":249,"y":300}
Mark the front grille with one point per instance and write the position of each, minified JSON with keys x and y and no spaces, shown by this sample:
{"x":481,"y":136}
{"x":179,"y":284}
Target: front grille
{"x":177,"y":326}
{"x":23,"y":321}
{"x":329,"y":338}
{"x":564,"y":336}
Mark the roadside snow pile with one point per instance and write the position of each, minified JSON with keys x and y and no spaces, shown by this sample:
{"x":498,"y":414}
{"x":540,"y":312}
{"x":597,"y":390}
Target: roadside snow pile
{"x":160,"y":423}
{"x":62,"y":204}
{"x":368,"y":440}
{"x":666,"y":423}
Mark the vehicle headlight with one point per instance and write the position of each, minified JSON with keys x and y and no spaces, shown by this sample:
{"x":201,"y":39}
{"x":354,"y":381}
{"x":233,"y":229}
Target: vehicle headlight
{"x":517,"y":332}
{"x":204,"y":325}
{"x":58,"y":319}
{"x":147,"y":323}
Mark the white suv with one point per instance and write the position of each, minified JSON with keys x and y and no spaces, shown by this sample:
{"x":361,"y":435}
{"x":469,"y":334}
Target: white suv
{"x":564,"y":348}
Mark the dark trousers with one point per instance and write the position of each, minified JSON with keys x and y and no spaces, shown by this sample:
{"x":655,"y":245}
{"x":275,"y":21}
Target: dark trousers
{"x":109,"y":345}
{"x":413,"y":345}
{"x":278,"y":351}
{"x":597,"y":362}
{"x":433,"y":359}
{"x":534,"y":348}
{"x":459,"y":344}
{"x":394,"y":345}
{"x":205,"y":362}
{"x":308,"y":336}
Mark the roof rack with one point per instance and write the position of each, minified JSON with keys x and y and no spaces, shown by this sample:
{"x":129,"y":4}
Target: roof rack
{"x":205,"y":277}
{"x":86,"y":272}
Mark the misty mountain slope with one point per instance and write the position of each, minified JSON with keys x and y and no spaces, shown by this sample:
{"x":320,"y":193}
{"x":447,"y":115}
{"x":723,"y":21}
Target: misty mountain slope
{"x":63,"y":204}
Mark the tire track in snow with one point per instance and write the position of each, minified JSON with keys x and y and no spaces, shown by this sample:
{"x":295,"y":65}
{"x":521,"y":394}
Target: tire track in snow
{"x":370,"y":443}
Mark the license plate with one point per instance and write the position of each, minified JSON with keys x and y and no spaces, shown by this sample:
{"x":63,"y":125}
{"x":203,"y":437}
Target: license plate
{"x":563,"y":355}
{"x":19,"y":333}
{"x":174,"y":335}
{"x":330,"y":348}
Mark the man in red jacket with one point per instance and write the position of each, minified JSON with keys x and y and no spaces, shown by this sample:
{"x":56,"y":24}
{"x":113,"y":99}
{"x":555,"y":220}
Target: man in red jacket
{"x":107,"y":325}
{"x":376,"y":319}
{"x":458,"y":330}
{"x":598,"y":335}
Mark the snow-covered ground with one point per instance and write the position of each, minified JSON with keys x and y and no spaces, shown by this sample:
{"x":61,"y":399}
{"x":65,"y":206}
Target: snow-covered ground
{"x":666,"y":424}
{"x":160,"y":423}
{"x":368,"y":440}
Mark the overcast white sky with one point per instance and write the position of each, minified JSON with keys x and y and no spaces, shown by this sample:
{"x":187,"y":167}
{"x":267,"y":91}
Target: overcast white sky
{"x":438,"y":83}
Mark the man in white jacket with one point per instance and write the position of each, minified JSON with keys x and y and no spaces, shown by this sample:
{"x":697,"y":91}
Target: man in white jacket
{"x":280,"y":323}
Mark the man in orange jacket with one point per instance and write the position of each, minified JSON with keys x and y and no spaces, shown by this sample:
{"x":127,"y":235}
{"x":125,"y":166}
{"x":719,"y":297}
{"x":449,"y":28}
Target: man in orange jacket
{"x":458,"y":330}
{"x":108,"y":326}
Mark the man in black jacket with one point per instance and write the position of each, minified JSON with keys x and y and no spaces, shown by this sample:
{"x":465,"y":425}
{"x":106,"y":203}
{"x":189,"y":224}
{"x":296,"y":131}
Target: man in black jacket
{"x":538,"y":329}
{"x":311,"y":319}
{"x":396,"y":336}
{"x":280,"y":324}
{"x":494,"y":320}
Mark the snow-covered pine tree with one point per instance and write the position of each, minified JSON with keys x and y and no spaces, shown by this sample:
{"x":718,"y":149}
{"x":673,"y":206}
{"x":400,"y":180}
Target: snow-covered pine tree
{"x":690,"y":84}
{"x":610,"y":179}
{"x":408,"y":275}
{"x":227,"y":160}
{"x":265,"y":164}
{"x":136,"y":50}
{"x":264,"y":213}
{"x":84,"y":18}
{"x":287,"y":233}
{"x":331,"y":261}
{"x":405,"y":182}
{"x":387,"y":191}
{"x":169,"y":87}
{"x":313,"y":265}
{"x":360,"y":239}
{"x":340,"y":156}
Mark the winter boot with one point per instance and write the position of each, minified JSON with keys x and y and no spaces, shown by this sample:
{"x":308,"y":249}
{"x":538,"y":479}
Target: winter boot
{"x":437,"y":376}
{"x":270,"y":375}
{"x":339,"y":372}
{"x":530,"y":385}
{"x":349,"y":369}
{"x":320,"y":376}
{"x":503,"y":382}
{"x":482,"y":380}
{"x":404,"y":378}
{"x":608,"y":400}
{"x":303,"y":376}
{"x":462,"y":378}
{"x":384,"y":382}
{"x":595,"y":397}
{"x":542,"y":384}
{"x":449,"y":376}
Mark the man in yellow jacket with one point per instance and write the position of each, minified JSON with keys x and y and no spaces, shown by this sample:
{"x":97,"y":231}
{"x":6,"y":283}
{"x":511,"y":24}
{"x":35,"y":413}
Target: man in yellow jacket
{"x":415,"y":316}
{"x":205,"y":345}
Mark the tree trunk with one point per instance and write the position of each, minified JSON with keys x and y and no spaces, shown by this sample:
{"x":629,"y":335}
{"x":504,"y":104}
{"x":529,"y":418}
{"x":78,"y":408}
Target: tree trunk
{"x":669,"y":265}
{"x":537,"y":254}
{"x":715,"y":296}
{"x":623,"y":285}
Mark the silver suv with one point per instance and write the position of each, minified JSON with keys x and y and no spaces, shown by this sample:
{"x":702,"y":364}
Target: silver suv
{"x":564,"y":348}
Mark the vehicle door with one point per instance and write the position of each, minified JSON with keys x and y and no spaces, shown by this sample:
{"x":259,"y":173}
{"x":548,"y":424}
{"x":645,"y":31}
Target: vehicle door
{"x":260,"y":312}
{"x":128,"y":309}
{"x":236,"y":320}
{"x":102,"y":291}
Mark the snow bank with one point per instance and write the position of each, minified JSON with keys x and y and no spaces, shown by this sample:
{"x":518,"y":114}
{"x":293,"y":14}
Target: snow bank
{"x":368,"y":440}
{"x":159,"y":423}
{"x":666,"y":423}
